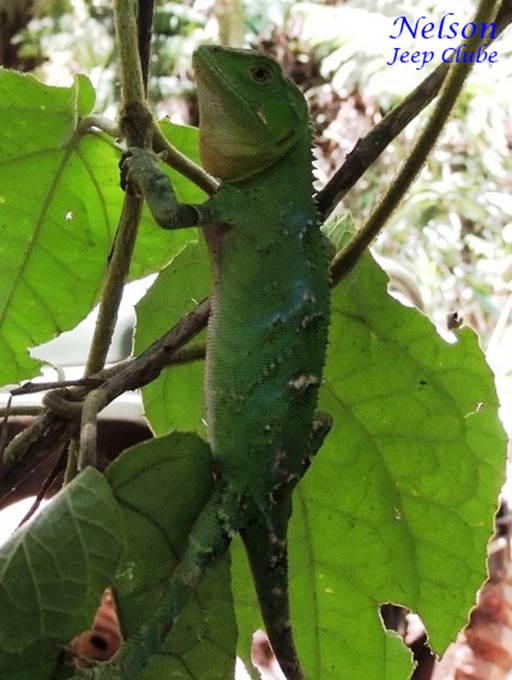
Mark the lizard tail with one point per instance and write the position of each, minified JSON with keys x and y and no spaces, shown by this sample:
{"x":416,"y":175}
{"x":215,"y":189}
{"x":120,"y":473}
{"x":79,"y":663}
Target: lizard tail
{"x":208,"y":540}
{"x":265,"y":540}
{"x":267,"y":553}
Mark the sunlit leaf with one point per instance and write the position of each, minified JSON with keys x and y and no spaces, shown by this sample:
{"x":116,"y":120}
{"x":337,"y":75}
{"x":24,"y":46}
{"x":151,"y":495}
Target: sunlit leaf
{"x":60,"y":203}
{"x":175,"y":399}
{"x":53,"y":572}
{"x":161,"y":486}
{"x":399,"y":503}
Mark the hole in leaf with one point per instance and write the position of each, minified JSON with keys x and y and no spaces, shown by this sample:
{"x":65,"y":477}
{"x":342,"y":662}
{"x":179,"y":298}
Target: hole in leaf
{"x":410,"y":628}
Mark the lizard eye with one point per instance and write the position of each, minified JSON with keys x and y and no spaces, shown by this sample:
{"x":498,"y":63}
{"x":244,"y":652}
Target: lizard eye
{"x":260,"y":74}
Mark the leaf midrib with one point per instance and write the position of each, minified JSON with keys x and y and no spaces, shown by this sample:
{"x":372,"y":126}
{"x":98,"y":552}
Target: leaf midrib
{"x":67,"y":151}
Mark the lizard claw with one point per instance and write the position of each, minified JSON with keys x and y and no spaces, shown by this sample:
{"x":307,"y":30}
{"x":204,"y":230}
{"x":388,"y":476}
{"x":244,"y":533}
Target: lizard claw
{"x":124,"y":167}
{"x":133,"y":164}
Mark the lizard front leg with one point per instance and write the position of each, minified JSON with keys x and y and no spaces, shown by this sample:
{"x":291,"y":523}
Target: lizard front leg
{"x":141,"y":174}
{"x":265,"y":540}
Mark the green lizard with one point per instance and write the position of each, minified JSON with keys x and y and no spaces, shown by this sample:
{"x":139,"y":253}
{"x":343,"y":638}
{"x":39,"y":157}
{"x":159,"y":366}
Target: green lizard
{"x":267,"y":332}
{"x":269,"y":316}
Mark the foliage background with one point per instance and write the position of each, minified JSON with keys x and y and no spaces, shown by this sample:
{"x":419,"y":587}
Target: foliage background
{"x":455,"y":254}
{"x":452,"y":255}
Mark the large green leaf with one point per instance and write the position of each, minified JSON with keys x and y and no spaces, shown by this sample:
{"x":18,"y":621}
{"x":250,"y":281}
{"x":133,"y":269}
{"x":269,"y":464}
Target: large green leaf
{"x":53,"y":572}
{"x":399,"y":503}
{"x":60,"y":203}
{"x":175,"y":400}
{"x":161,"y":486}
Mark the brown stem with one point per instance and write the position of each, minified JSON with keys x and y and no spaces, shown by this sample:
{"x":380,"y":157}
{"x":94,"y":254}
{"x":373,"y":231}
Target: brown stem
{"x":369,"y":148}
{"x":177,"y":160}
{"x":144,"y":33}
{"x":400,"y":184}
{"x":49,"y":430}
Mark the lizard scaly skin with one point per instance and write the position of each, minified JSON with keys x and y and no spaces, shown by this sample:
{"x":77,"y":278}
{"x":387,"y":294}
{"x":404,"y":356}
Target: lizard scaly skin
{"x":267,"y":332}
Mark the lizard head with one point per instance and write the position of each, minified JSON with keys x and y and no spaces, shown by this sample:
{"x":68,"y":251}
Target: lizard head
{"x":250,"y":113}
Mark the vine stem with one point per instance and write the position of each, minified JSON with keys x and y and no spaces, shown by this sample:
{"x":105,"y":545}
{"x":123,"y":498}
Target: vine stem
{"x":369,"y":148}
{"x":50,"y":429}
{"x":138,"y":132}
{"x":101,"y":123}
{"x":138,"y":372}
{"x":457,"y":74}
{"x":128,"y":46}
{"x":136,"y":124}
{"x":178,"y":161}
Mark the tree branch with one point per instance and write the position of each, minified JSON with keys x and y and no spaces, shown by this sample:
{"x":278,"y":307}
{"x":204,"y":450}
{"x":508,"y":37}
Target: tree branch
{"x":137,"y":125}
{"x":177,"y":160}
{"x":400,"y":184}
{"x":142,"y":370}
{"x":144,"y":25}
{"x":102,"y":123}
{"x":369,"y":148}
{"x":46,"y":433}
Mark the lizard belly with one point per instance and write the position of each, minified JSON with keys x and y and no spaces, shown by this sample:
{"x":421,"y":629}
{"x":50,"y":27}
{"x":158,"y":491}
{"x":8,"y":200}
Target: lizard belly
{"x":266,"y":343}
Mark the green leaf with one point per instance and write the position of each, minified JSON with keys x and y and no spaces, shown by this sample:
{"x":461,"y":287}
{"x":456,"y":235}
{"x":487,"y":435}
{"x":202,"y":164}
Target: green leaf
{"x":246,"y":604}
{"x":60,"y":203}
{"x":53,"y":572}
{"x":186,"y":139}
{"x":339,"y":229}
{"x":399,"y":503}
{"x":175,"y":400}
{"x":161,"y":486}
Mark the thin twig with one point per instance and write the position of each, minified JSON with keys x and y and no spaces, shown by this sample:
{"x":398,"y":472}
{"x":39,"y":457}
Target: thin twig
{"x":46,"y":433}
{"x":178,"y":161}
{"x":71,"y":470}
{"x":4,"y":428}
{"x":188,"y":354}
{"x":68,"y":404}
{"x":141,"y":370}
{"x":144,"y":33}
{"x":62,"y":403}
{"x":114,"y":284}
{"x":369,"y":148}
{"x":31,"y":446}
{"x":457,"y":74}
{"x":21,"y":410}
{"x":137,"y":125}
{"x":32,"y":388}
{"x":102,"y":123}
{"x":59,"y":465}
{"x":127,"y":41}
